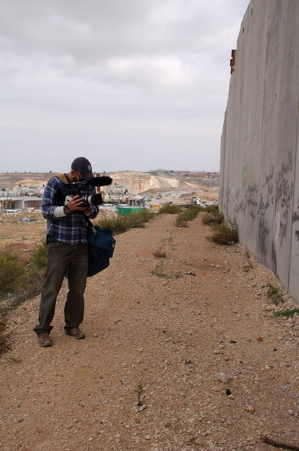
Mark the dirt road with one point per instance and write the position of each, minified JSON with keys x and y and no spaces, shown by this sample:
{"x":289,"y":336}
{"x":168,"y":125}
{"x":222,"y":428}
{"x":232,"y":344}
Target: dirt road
{"x":181,"y":353}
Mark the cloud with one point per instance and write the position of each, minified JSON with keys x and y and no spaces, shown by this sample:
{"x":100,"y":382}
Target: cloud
{"x":119,"y":75}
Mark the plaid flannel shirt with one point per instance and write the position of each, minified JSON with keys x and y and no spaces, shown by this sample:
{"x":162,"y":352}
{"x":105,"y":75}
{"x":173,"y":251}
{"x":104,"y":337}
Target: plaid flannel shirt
{"x":71,"y":229}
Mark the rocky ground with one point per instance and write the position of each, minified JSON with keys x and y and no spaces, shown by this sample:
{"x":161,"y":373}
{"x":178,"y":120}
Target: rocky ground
{"x":181,"y":353}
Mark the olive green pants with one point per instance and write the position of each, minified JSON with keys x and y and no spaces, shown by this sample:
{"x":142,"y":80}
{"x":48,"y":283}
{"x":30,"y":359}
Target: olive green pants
{"x":64,"y":260}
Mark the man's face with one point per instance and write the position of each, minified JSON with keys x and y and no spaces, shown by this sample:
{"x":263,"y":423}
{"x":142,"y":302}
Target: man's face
{"x":76,"y":176}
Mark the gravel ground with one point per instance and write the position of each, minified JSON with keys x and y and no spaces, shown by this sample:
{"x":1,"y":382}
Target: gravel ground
{"x":181,"y":353}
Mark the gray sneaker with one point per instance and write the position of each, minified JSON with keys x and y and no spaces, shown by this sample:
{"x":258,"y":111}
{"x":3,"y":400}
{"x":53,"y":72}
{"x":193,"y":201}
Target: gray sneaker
{"x":44,"y":340}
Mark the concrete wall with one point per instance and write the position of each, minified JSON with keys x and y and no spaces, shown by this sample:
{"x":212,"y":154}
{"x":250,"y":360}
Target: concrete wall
{"x":259,"y":174}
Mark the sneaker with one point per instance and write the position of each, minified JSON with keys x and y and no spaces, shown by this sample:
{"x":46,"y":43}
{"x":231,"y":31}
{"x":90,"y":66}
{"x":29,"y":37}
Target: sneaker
{"x":75,"y":332}
{"x":44,"y":340}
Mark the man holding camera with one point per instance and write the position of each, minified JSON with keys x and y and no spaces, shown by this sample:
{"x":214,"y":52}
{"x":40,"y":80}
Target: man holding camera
{"x":67,"y":250}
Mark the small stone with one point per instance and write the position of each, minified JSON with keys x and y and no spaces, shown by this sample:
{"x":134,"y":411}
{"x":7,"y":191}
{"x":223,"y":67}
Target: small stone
{"x":222,"y":377}
{"x":250,"y":409}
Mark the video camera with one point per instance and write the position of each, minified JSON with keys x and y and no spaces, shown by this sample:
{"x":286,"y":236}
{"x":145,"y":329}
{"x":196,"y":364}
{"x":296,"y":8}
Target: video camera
{"x":81,"y":189}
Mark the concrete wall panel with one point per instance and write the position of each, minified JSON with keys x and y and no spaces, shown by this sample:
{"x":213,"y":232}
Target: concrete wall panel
{"x":259,"y":148}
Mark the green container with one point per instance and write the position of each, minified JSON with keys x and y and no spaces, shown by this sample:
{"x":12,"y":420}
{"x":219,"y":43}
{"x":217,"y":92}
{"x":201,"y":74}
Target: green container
{"x":123,"y":211}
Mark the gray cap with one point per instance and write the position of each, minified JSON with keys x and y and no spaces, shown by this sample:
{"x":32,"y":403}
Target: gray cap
{"x":83,"y":166}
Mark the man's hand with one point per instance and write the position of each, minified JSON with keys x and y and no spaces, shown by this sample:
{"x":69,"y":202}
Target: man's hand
{"x":75,"y":204}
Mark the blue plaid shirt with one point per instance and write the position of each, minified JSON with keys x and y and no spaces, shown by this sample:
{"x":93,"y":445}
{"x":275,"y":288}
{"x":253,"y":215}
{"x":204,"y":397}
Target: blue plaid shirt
{"x":71,"y":229}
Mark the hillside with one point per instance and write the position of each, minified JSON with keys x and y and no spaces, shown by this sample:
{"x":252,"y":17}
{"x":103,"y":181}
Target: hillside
{"x":181,"y":353}
{"x":134,"y":182}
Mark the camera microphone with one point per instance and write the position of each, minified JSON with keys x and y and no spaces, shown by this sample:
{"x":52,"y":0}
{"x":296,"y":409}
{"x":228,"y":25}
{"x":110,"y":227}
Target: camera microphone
{"x":100,"y":181}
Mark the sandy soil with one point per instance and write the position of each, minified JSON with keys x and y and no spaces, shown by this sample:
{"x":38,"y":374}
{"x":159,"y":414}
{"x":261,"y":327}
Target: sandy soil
{"x":191,"y":338}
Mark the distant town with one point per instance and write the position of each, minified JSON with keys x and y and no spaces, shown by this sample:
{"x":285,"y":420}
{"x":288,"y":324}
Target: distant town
{"x":23,"y":191}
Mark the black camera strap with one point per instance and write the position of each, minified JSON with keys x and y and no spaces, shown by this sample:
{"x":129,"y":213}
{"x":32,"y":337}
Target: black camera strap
{"x":90,"y":225}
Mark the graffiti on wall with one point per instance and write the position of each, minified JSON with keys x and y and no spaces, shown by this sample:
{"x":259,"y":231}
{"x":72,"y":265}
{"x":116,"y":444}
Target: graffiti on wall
{"x":276,"y":191}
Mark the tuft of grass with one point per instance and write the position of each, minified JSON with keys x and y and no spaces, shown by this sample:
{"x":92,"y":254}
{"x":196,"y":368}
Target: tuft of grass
{"x":225,"y":234}
{"x":159,"y":254}
{"x":274,"y":294}
{"x":170,"y":209}
{"x":159,"y":272}
{"x":287,"y":313}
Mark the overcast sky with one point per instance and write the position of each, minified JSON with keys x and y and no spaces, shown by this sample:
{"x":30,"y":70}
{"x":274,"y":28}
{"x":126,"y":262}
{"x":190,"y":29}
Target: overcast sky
{"x":129,"y":84}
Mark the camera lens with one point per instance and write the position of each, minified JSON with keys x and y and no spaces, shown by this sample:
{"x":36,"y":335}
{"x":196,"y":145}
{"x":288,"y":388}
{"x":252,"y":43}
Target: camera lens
{"x":94,"y":199}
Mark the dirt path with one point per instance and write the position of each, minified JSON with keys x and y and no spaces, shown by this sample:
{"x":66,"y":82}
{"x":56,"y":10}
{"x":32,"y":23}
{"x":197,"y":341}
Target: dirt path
{"x":178,"y":335}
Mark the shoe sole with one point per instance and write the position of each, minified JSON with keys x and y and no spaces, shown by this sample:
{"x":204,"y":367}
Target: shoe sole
{"x":78,"y":337}
{"x":47,"y":344}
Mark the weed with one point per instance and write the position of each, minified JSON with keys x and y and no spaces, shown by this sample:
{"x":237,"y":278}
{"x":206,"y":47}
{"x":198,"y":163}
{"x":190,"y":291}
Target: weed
{"x":158,"y":272}
{"x":226,"y":233}
{"x":287,"y":313}
{"x":273,"y":293}
{"x":249,"y":265}
{"x":140,"y":392}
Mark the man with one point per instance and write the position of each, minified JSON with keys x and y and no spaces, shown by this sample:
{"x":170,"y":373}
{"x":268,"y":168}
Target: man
{"x":67,"y":252}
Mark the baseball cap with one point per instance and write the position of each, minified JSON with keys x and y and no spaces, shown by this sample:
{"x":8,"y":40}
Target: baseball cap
{"x":83,"y":166}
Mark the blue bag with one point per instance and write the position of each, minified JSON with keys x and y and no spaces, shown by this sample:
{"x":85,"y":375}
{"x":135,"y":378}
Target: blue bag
{"x":101,"y":246}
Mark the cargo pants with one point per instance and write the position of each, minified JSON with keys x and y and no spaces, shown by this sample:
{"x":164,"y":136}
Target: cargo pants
{"x":69,"y":261}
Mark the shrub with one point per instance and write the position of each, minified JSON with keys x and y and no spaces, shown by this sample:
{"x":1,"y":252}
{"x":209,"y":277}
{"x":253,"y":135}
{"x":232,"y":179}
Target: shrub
{"x":39,"y":255}
{"x":170,"y":209}
{"x":11,"y":268}
{"x":225,"y":233}
{"x":186,"y":216}
{"x":135,"y":220}
{"x":121,"y":224}
{"x":213,"y":217}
